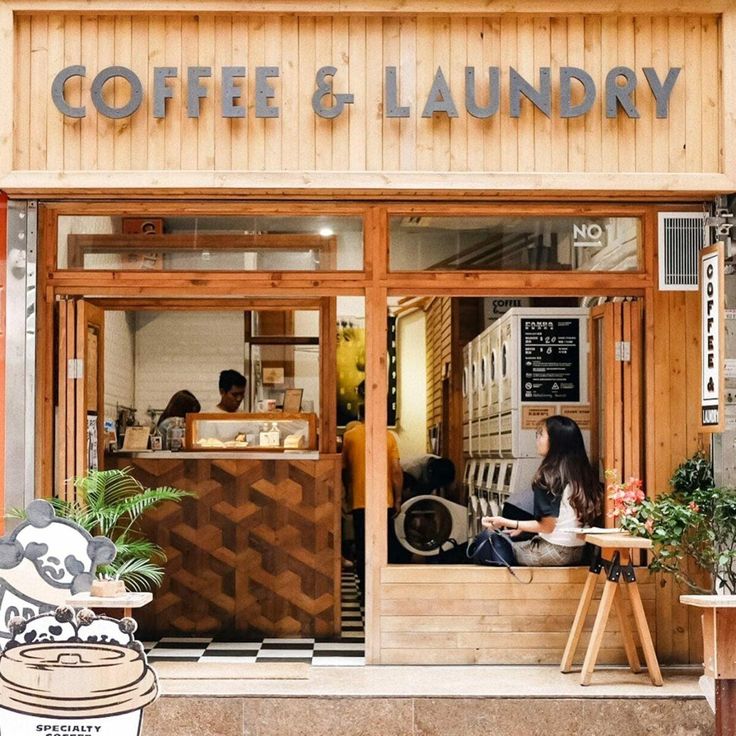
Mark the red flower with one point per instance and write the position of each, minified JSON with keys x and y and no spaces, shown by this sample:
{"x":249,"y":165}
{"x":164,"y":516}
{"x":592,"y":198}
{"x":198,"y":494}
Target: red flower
{"x":694,"y":507}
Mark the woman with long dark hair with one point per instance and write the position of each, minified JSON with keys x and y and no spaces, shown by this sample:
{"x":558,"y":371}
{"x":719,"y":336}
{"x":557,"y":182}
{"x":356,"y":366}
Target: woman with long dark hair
{"x":567,"y":495}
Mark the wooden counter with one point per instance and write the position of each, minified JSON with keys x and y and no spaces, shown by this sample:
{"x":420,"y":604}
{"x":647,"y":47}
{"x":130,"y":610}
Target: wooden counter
{"x":257,"y":551}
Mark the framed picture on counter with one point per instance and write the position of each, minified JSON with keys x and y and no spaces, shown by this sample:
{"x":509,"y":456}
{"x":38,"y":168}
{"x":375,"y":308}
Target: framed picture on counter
{"x":293,"y":400}
{"x":136,"y":438}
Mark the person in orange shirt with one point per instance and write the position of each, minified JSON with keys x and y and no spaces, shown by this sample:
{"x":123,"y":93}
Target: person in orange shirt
{"x":353,"y":478}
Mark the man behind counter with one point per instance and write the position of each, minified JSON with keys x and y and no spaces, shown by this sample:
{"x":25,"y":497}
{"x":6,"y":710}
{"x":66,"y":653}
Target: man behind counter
{"x":232,"y":391}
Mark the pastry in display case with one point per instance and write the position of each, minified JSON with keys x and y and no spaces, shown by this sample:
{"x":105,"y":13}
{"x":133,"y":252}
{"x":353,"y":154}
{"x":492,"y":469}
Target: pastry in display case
{"x":269,"y":431}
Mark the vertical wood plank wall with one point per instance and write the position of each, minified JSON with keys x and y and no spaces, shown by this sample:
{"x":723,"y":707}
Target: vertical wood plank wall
{"x":362,"y":138}
{"x":671,"y":418}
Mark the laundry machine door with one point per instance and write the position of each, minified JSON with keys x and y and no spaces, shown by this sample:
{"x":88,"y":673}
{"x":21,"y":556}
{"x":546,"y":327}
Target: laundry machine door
{"x":424,"y":525}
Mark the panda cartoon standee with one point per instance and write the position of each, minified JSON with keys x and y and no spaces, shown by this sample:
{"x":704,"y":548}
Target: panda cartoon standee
{"x":44,"y":561}
{"x":67,"y":672}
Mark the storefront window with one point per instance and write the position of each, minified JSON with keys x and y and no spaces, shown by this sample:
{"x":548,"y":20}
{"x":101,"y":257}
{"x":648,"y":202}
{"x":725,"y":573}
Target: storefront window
{"x":215,"y":243}
{"x":514,"y":243}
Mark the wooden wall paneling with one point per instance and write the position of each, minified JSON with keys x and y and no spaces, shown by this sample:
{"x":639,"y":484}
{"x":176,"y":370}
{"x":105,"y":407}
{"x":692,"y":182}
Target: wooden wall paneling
{"x":306,"y":69}
{"x":542,"y":124}
{"x":440,"y":122}
{"x":340,"y":133}
{"x":360,"y":109}
{"x":425,"y":71}
{"x":455,"y":75}
{"x":324,"y":128}
{"x":509,"y":126}
{"x":657,"y":480}
{"x":643,"y":52}
{"x":407,"y":69}
{"x":712,"y":100}
{"x":451,"y":614}
{"x":72,"y":30}
{"x":244,"y":556}
{"x":576,"y":43}
{"x":139,"y":60}
{"x":391,"y":127}
{"x":476,"y":127}
{"x":678,"y":133}
{"x":157,"y":126}
{"x":376,"y":439}
{"x":173,"y":142}
{"x":105,"y":126}
{"x":727,"y":105}
{"x":273,"y":128}
{"x":688,"y":140}
{"x":206,"y":128}
{"x":609,"y":126}
{"x":558,"y":28}
{"x":593,"y":123}
{"x":54,"y":158}
{"x":243,"y":133}
{"x":525,"y":65}
{"x":626,"y":125}
{"x":694,"y":114}
{"x":38,"y":61}
{"x":12,"y":102}
{"x":374,"y":70}
{"x":187,"y":126}
{"x":123,"y":44}
{"x":258,"y":127}
{"x":660,"y":127}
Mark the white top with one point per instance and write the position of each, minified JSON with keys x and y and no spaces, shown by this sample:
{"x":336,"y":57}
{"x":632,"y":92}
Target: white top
{"x":566,"y":522}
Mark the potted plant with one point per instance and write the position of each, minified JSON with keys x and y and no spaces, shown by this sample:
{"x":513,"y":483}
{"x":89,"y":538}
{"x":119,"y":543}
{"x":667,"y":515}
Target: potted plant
{"x":695,"y":521}
{"x":111,"y":503}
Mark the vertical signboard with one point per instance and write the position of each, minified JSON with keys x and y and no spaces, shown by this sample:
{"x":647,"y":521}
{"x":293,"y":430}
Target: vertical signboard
{"x":711,"y":338}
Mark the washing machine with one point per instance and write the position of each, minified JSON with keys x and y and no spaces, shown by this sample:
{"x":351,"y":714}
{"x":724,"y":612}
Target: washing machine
{"x":428,"y":525}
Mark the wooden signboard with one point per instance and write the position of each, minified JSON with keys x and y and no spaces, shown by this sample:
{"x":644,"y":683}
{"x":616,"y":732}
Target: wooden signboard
{"x":712,"y":338}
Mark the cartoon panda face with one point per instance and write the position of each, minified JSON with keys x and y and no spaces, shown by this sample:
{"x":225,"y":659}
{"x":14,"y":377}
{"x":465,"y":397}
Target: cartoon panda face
{"x":105,"y":630}
{"x":63,"y":553}
{"x":42,"y":629}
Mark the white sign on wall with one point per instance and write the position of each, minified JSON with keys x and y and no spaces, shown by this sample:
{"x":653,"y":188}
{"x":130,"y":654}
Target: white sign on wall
{"x":712,"y":338}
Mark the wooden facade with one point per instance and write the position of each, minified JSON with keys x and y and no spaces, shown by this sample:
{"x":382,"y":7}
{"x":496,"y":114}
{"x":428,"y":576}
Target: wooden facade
{"x":376,"y":166}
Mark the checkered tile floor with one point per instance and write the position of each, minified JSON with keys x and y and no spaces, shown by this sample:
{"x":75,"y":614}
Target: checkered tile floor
{"x":349,"y":649}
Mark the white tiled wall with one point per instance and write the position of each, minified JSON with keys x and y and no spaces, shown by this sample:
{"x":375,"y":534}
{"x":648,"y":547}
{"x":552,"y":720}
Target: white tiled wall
{"x":184,"y":350}
{"x":119,"y":361}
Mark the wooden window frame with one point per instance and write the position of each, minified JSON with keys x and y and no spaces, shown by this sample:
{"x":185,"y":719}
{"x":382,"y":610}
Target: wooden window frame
{"x":374,"y":282}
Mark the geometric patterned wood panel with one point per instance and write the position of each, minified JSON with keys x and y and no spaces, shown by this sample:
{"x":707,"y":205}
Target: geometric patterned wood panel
{"x":256,"y":552}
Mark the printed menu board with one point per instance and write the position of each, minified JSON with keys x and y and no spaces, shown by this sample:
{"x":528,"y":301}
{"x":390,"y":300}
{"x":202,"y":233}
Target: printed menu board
{"x":550,"y":359}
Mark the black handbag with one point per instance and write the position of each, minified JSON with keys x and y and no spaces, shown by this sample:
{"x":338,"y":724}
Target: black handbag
{"x":491,"y":548}
{"x":494,"y":549}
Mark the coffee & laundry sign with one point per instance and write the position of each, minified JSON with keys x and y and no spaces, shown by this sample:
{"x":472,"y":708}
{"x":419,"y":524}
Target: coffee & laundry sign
{"x":571,"y":94}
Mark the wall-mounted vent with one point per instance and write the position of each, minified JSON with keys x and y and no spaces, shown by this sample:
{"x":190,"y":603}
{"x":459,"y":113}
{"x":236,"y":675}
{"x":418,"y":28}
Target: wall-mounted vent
{"x":681,"y":237}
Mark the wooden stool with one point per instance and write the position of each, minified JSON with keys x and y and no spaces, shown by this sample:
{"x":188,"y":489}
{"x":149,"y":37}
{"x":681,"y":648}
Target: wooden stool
{"x":612,"y":553}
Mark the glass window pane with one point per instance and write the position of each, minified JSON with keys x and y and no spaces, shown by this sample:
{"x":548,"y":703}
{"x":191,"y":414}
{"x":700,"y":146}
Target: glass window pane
{"x":213,"y":243}
{"x":514,"y":243}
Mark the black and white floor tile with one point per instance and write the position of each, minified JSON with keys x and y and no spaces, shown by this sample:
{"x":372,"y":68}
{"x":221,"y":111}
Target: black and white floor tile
{"x":349,"y":649}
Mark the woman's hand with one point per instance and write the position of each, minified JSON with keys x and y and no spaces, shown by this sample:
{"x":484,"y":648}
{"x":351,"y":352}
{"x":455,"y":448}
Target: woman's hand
{"x":493,"y":522}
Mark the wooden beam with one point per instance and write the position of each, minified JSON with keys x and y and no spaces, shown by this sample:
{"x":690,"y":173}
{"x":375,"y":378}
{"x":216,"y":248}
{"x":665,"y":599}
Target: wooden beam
{"x":354,"y":185}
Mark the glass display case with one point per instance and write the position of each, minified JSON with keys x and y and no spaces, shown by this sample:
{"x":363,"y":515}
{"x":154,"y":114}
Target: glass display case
{"x":269,"y":431}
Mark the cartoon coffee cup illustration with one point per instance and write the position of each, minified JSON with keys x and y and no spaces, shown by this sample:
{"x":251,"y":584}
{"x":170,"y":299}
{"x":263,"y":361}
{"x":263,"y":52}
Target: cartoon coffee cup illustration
{"x":74,"y":675}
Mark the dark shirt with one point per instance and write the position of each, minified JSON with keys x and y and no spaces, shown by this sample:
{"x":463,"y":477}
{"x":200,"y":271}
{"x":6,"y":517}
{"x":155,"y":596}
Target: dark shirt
{"x":546,"y":504}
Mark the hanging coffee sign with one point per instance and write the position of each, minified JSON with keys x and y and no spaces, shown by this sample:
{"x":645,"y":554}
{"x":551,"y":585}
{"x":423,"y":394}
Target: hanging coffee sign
{"x":712,"y":326}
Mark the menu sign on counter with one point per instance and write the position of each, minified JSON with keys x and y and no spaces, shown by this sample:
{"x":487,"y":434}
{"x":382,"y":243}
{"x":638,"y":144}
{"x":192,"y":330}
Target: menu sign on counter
{"x":550,"y":359}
